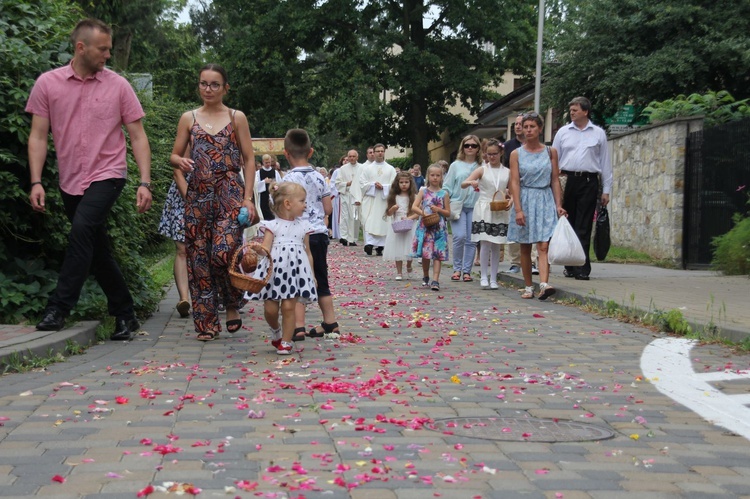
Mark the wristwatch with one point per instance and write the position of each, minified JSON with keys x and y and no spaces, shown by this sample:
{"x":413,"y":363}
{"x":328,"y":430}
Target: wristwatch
{"x":147,"y":185}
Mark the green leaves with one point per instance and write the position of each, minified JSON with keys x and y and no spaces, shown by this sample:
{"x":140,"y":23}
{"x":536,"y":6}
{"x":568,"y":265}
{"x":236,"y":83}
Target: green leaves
{"x":639,"y":52}
{"x":717,"y":107}
{"x":375,"y":71}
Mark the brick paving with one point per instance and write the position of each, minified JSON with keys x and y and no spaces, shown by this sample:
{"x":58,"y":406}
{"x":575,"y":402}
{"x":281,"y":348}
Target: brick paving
{"x":351,"y":418}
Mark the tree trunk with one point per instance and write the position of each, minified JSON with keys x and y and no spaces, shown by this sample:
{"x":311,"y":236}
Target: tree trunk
{"x":418,"y":132}
{"x":121,"y":42}
{"x":414,"y":11}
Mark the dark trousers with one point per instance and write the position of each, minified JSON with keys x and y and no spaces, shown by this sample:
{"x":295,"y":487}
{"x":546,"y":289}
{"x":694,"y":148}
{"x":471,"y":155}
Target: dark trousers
{"x":579,"y":200}
{"x":89,"y":251}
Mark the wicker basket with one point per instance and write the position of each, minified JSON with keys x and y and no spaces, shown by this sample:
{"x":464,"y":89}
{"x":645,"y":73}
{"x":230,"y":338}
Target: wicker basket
{"x":431,"y":220}
{"x":404,"y":225}
{"x":501,"y":205}
{"x":246,"y":282}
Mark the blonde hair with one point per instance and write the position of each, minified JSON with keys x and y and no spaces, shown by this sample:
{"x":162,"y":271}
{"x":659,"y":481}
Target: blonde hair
{"x":434,"y":166}
{"x":281,"y":192}
{"x":267,"y":156}
{"x":461,"y":155}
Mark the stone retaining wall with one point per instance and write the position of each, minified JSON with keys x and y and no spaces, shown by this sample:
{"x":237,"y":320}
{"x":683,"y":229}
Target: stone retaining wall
{"x":646,"y":206}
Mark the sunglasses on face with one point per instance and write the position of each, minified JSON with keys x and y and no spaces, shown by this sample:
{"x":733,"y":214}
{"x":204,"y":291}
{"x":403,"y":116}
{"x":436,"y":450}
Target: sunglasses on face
{"x":471,"y":146}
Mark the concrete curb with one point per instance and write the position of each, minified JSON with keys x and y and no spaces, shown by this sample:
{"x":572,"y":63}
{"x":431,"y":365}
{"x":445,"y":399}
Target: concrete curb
{"x":44,"y":343}
{"x":728,"y":333}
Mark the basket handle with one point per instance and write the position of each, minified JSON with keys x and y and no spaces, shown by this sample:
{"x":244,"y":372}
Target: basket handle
{"x":258,"y":249}
{"x":504,"y":197}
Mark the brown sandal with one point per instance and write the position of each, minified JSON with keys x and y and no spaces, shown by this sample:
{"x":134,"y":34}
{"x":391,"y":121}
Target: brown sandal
{"x":528,"y":293}
{"x":208,"y":336}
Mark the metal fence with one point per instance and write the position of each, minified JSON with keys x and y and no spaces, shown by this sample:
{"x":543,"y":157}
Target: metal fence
{"x":717,"y":166}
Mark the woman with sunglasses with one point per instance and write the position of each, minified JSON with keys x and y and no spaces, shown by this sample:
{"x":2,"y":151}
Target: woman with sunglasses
{"x":219,"y":148}
{"x":463,"y":247}
{"x":537,"y":202}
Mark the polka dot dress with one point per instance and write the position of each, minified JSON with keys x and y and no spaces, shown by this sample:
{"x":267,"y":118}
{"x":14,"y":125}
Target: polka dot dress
{"x":292,"y":275}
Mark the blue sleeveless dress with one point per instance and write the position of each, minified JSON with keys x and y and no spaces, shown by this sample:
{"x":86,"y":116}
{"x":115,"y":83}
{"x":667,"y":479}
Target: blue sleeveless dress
{"x":537,"y":200}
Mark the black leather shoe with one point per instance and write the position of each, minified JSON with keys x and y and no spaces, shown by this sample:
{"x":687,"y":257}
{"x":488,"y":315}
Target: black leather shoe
{"x":582,"y":277}
{"x":368,"y":249}
{"x":53,"y":320}
{"x":568,"y":273}
{"x":379,"y":250}
{"x":125,"y":329}
{"x":352,"y":244}
{"x":342,"y":241}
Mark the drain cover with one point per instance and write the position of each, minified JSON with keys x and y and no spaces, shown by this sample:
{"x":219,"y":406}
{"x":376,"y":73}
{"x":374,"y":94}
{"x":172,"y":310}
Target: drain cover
{"x":522,"y":429}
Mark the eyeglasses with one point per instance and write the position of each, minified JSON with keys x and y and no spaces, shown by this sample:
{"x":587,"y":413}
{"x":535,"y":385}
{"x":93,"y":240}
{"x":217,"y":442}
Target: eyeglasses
{"x":213,"y":85}
{"x":471,"y":146}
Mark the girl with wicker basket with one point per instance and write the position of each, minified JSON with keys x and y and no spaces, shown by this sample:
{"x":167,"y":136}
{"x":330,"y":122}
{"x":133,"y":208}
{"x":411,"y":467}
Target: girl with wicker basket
{"x":431,"y":239}
{"x":287,"y":239}
{"x":400,"y":233}
{"x":491,"y":217}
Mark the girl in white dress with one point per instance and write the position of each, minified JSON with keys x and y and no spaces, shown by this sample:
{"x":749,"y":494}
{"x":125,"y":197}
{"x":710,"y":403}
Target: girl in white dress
{"x":286,"y":238}
{"x":490,"y":227}
{"x":400,"y":199}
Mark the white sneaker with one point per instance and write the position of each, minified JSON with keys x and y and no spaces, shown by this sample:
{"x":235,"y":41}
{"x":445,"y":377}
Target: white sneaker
{"x":484,"y":283}
{"x":534,"y":270}
{"x":398,"y":277}
{"x":493,"y":285}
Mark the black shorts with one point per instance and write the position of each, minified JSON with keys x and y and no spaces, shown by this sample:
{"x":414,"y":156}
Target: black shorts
{"x":319,"y":250}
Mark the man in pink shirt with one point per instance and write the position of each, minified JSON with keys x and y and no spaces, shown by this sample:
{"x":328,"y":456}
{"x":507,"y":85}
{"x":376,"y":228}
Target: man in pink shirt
{"x":85,"y":106}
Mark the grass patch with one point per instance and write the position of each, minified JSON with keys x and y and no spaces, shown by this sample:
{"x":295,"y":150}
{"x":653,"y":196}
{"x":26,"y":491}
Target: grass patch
{"x":618,"y":254}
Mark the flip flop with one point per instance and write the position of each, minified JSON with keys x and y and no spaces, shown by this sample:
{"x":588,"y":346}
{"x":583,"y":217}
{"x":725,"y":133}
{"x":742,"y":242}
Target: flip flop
{"x":456,"y":276}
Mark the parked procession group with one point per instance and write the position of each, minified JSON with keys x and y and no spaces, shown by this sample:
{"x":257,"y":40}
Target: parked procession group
{"x":493,"y":196}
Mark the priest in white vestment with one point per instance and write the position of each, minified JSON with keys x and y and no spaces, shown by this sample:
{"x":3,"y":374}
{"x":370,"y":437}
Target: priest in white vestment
{"x":375,"y":181}
{"x":350,"y":194}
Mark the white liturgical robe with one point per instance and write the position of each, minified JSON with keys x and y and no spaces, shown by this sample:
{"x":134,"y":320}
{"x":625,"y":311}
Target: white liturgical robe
{"x":374,"y":200}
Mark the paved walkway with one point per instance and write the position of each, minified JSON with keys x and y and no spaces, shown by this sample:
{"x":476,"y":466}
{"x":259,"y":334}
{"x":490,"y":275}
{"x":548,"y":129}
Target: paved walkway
{"x":385,"y":412}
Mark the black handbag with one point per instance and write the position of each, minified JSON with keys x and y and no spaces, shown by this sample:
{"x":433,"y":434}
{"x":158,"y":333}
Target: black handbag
{"x":602,"y":241}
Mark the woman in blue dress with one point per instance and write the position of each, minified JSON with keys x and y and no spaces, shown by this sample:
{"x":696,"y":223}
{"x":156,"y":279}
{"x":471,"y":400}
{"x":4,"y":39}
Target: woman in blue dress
{"x":537,"y":202}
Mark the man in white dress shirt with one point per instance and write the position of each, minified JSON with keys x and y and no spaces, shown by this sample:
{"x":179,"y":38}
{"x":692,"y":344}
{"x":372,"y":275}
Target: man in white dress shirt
{"x":375,"y":181}
{"x":350,"y":194}
{"x":584,"y":156}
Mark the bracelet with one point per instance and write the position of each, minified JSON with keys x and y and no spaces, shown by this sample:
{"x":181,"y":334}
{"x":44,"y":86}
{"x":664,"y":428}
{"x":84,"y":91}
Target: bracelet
{"x":35,"y":183}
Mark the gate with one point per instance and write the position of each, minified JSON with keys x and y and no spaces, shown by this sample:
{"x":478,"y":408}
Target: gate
{"x":717,"y":165}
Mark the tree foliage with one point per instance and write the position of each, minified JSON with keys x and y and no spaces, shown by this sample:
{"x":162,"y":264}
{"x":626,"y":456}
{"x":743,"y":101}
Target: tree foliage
{"x":377,"y":71}
{"x":717,"y":108}
{"x":130,"y":20}
{"x":627,"y":51}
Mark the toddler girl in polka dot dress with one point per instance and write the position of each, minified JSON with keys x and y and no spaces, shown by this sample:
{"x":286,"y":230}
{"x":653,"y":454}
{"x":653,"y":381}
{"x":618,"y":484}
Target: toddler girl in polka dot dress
{"x":287,"y":240}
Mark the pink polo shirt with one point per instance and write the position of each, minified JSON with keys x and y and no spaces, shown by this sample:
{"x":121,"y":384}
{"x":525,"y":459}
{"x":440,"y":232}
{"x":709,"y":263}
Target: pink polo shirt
{"x":86,"y":117}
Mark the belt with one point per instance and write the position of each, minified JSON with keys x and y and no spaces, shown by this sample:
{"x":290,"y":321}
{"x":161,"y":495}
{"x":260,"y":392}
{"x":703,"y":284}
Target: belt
{"x":579,"y":174}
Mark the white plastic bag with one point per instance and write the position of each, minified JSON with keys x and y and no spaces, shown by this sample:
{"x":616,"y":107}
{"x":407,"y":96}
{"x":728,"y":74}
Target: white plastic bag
{"x":564,"y":247}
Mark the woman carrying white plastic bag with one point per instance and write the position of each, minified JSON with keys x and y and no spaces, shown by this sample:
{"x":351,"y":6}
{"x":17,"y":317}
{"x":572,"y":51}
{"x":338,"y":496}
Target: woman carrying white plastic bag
{"x":537,"y":202}
{"x":565,"y":248}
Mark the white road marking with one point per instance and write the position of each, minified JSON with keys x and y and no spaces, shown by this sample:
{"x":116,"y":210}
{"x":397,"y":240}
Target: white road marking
{"x":666,"y":363}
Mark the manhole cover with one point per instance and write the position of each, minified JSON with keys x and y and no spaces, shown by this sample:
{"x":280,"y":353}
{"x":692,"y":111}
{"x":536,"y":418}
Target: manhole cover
{"x":522,"y":429}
